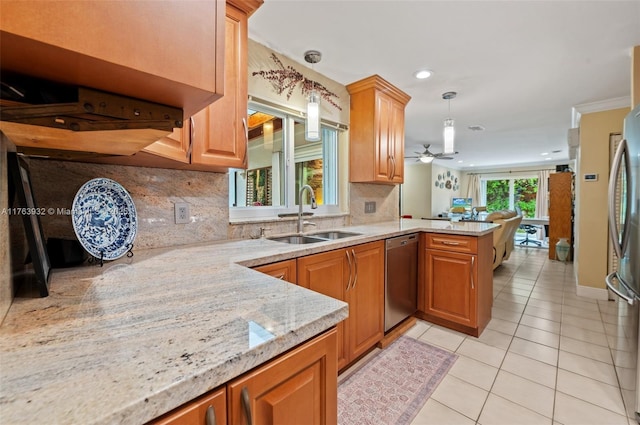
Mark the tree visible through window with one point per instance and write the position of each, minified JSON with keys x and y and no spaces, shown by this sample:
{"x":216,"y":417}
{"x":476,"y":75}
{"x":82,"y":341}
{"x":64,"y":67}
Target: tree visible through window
{"x":503,"y":194}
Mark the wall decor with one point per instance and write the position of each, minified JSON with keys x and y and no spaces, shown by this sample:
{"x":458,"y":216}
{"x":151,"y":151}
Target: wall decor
{"x":286,"y":78}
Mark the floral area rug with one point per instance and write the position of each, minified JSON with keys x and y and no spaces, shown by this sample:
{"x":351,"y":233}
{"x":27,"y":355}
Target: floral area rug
{"x":393,"y":386}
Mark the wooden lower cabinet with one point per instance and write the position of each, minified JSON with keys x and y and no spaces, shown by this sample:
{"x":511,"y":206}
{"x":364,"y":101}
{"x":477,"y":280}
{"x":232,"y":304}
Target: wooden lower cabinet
{"x":456,"y":282}
{"x":354,"y":275}
{"x":298,"y":387}
{"x":211,"y":408}
{"x":284,"y":270}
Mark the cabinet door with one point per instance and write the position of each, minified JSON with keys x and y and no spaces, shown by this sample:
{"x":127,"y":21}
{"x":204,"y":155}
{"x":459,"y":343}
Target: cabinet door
{"x":174,"y":146}
{"x":397,"y":143}
{"x":284,"y":270}
{"x":201,"y":411}
{"x":298,"y":388}
{"x":560,"y":210}
{"x":328,"y":273}
{"x":450,"y":286}
{"x":366,"y":298}
{"x":384,"y":138}
{"x":220,"y":137}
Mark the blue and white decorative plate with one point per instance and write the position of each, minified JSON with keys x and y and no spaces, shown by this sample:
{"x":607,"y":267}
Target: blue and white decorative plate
{"x":104,"y":218}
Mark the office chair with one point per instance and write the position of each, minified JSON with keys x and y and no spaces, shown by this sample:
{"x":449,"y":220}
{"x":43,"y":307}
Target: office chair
{"x":529,"y":229}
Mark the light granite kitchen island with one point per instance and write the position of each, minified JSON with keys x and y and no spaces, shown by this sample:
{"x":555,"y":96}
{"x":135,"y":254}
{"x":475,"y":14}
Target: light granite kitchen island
{"x":129,"y":341}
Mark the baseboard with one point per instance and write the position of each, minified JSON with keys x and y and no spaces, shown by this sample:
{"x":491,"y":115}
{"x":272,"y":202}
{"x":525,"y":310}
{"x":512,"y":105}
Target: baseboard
{"x":396,"y":332}
{"x":591,"y":292}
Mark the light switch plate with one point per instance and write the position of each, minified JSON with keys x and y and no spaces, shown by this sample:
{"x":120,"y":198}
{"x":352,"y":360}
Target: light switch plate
{"x":369,"y":207}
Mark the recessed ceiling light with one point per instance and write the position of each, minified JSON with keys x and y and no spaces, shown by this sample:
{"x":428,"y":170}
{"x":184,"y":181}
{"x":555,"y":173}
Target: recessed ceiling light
{"x":547,"y":159}
{"x":460,"y":162}
{"x":476,"y":127}
{"x":471,"y":165}
{"x":422,"y":74}
{"x":544,"y":153}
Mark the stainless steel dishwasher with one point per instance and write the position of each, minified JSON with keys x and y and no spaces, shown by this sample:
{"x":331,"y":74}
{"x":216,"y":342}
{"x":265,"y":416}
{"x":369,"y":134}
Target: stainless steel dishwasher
{"x":401,"y":279}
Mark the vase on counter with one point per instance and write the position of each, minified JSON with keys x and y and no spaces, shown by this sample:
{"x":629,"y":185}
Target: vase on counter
{"x":562,"y":249}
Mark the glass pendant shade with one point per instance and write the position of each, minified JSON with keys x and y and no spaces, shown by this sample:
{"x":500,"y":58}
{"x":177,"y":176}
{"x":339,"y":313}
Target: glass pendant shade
{"x":426,"y":159}
{"x":312,"y":124}
{"x":267,"y":133}
{"x":449,"y":133}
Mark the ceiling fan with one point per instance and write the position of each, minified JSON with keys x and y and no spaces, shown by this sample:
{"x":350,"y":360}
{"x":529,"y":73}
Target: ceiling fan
{"x":428,"y":156}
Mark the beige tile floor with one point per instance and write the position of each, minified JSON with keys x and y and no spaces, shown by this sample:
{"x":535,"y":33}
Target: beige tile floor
{"x":548,"y":356}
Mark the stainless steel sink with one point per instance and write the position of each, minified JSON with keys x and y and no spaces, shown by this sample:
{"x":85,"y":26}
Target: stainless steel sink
{"x":313,"y":238}
{"x":297,"y":239}
{"x":334,"y":235}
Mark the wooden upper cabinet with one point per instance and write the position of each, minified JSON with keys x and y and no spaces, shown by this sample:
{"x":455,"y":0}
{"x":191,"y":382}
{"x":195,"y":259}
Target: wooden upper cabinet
{"x":220,"y":133}
{"x":376,"y":132}
{"x":215,"y":138}
{"x":167,"y":52}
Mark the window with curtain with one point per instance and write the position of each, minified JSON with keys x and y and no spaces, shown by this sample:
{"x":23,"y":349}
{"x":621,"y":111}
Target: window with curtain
{"x":511,"y":193}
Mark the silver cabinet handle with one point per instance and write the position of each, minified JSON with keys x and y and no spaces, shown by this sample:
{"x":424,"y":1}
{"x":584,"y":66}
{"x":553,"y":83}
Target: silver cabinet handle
{"x":473,"y":266}
{"x":350,"y":270}
{"x":246,"y":405}
{"x":355,"y":262}
{"x":620,"y":246}
{"x":450,"y":243}
{"x":192,"y":136}
{"x":393,"y":167}
{"x":280,"y":276}
{"x":210,"y":417}
{"x":246,"y":140}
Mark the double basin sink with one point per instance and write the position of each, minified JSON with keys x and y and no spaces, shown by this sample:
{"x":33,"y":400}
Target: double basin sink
{"x":314,"y":238}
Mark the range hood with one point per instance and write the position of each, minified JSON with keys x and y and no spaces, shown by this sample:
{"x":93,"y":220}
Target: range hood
{"x":37,"y":114}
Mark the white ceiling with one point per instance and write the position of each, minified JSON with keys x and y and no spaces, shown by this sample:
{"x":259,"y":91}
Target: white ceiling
{"x":518,"y":66}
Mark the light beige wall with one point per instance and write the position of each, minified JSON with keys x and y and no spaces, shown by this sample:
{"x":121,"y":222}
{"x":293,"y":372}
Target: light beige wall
{"x":591,"y":208}
{"x":416,"y":190}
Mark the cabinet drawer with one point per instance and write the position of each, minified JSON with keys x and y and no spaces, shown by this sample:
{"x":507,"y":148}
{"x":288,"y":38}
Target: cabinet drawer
{"x":284,"y":270}
{"x":456,"y":243}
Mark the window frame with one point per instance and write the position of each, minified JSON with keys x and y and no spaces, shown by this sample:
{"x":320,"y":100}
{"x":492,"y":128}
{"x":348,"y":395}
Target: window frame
{"x":251,"y":213}
{"x":511,"y":178}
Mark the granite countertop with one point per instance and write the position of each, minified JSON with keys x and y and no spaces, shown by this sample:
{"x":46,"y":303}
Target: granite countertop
{"x":129,"y":341}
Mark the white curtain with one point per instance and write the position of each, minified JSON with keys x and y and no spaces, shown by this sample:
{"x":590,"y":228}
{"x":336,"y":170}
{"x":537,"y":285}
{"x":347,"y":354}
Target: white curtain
{"x":473,"y":189}
{"x":542,"y":197}
{"x":542,"y":200}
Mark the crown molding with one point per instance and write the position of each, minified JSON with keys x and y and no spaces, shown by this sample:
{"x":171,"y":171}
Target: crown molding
{"x":599,"y":106}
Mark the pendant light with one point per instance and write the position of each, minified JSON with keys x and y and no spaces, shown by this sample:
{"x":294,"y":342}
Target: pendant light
{"x":312,"y":123}
{"x":449,"y":131}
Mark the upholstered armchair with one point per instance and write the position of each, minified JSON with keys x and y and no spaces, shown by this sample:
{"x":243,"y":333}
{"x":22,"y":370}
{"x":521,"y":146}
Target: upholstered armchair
{"x":503,"y":237}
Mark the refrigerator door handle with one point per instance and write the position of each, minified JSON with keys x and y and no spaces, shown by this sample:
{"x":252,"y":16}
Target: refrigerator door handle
{"x":619,"y":246}
{"x":627,"y":295}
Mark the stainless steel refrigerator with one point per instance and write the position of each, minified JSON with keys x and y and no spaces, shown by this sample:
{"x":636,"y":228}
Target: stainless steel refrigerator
{"x":624,"y":232}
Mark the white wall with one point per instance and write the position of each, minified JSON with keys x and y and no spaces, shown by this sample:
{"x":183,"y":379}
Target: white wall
{"x":416,"y":190}
{"x":441,"y":195}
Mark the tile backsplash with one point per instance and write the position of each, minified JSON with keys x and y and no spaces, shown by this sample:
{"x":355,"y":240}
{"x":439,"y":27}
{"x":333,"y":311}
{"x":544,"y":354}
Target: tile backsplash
{"x":154,"y":192}
{"x":386,"y":197}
